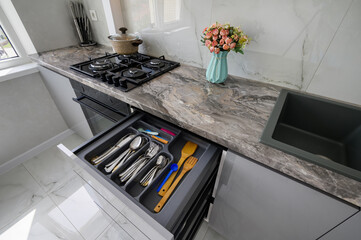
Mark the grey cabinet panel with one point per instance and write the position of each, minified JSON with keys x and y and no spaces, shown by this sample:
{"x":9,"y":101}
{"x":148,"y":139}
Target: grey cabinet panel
{"x":350,"y":229}
{"x":253,"y":202}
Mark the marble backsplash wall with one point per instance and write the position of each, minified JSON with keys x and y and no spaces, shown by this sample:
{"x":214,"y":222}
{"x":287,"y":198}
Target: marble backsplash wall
{"x":291,"y":39}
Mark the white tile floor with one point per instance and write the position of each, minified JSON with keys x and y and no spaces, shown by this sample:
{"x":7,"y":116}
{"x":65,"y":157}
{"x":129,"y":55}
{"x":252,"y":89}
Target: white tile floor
{"x":50,"y":197}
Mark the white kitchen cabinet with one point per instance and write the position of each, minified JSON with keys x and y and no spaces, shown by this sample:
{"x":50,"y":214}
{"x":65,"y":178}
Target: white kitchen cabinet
{"x":350,"y":229}
{"x":254,"y":202}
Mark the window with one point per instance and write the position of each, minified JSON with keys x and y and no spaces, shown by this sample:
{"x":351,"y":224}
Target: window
{"x":165,"y":14}
{"x":171,"y":11}
{"x":12,"y":52}
{"x":6,"y":48}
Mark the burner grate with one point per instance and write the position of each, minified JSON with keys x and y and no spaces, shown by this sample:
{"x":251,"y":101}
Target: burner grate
{"x":125,"y":71}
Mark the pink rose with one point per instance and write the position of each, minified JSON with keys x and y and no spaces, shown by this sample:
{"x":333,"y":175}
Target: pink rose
{"x":211,"y":49}
{"x":225,"y":47}
{"x":224,"y":37}
{"x":233,"y":45}
{"x":217,"y":50}
{"x":208,"y":35}
{"x":227,"y":32}
{"x":228,"y":40}
{"x":223,"y":32}
{"x":208,"y":42}
{"x":215,"y":37}
{"x":221,"y":42}
{"x":214,"y":43}
{"x":215,"y":31}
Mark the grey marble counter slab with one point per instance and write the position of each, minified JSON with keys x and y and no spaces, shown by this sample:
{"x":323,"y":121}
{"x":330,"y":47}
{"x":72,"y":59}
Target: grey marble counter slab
{"x":232,"y":115}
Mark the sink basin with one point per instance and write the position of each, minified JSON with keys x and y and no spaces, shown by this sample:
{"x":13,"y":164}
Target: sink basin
{"x":318,"y":130}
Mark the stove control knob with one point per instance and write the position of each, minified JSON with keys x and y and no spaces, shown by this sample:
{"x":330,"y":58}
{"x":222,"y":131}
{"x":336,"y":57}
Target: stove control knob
{"x":103,"y":77}
{"x":116,"y":81}
{"x":123,"y":83}
{"x":109,"y":78}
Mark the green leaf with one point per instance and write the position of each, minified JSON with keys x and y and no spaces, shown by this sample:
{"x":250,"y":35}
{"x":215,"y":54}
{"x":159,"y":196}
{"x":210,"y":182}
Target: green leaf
{"x":238,"y":50}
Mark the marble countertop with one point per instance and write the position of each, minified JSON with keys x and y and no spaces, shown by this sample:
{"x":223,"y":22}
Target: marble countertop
{"x":232,"y":115}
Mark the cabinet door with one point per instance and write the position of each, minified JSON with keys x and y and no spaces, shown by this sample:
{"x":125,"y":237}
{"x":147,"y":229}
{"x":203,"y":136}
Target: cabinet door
{"x":253,"y":202}
{"x":350,"y":229}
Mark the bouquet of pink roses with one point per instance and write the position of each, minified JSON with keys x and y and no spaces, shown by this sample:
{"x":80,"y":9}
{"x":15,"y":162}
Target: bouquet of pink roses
{"x":224,"y":37}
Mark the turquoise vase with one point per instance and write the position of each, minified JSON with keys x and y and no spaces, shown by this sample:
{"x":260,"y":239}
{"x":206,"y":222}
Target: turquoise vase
{"x":217,"y":70}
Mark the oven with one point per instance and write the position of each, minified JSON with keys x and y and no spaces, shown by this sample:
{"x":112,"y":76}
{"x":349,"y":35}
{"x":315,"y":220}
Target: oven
{"x":100,"y":110}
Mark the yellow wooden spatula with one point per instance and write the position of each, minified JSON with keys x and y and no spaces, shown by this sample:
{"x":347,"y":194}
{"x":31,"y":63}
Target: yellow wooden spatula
{"x":188,"y":165}
{"x":188,"y":149}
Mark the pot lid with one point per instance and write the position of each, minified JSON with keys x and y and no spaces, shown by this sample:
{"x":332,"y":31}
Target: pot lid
{"x":124,"y":36}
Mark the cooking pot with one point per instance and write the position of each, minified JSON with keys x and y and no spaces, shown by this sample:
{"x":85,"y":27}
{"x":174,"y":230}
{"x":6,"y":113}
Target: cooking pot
{"x":125,"y":43}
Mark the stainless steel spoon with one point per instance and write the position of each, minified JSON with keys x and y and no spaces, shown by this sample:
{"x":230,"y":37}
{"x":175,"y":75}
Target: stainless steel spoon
{"x":116,"y":163}
{"x":160,"y":164}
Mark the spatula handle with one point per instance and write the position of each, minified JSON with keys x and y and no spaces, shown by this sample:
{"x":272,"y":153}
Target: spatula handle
{"x":167,"y":184}
{"x":169,"y":192}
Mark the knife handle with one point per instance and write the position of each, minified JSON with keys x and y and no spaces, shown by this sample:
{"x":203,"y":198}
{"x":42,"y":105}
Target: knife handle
{"x":160,"y":139}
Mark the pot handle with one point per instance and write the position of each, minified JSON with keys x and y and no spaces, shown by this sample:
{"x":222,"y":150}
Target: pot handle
{"x":137,"y":42}
{"x":123,"y":29}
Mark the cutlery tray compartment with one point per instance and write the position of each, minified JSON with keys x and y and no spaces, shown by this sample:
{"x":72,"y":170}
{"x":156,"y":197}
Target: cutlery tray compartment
{"x":146,"y":198}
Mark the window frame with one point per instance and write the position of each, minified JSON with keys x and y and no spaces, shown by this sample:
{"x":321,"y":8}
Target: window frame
{"x":16,"y":44}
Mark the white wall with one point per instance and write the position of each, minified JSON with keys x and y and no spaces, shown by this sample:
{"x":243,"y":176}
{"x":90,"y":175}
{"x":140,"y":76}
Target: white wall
{"x":28,"y":116}
{"x":100,"y":28}
{"x":62,"y":93}
{"x":50,"y":25}
{"x":303,"y":44}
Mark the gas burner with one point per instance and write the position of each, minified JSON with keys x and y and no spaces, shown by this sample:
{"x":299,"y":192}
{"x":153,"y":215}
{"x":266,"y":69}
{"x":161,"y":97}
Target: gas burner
{"x":134,"y":73}
{"x":100,"y":65}
{"x":155,"y":63}
{"x":125,"y":71}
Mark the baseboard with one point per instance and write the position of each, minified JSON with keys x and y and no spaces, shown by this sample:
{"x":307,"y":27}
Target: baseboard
{"x":7,"y":166}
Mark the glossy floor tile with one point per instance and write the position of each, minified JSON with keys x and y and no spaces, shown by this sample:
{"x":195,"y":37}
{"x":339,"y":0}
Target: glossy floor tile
{"x":207,"y":233}
{"x":42,"y":221}
{"x":19,"y":192}
{"x":51,"y":168}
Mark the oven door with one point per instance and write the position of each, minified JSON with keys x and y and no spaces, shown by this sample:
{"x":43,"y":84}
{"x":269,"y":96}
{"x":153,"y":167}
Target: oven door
{"x":99,"y":115}
{"x":100,"y":110}
{"x":189,"y":202}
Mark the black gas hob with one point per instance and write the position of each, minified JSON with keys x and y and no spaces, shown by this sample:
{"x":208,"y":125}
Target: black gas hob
{"x":125,"y":71}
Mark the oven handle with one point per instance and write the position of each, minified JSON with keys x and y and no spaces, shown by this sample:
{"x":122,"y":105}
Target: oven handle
{"x":78,"y":100}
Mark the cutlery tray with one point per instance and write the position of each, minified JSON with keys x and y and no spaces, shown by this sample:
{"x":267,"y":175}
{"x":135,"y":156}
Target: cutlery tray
{"x":186,"y":192}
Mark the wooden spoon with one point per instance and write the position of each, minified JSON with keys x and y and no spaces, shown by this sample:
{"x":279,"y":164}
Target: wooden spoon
{"x":188,"y":165}
{"x":188,"y":149}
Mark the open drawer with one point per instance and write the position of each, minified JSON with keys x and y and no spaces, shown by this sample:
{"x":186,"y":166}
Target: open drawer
{"x":189,"y":202}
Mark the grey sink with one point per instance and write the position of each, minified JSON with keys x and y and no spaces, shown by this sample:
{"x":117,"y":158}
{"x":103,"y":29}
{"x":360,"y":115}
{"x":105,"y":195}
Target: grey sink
{"x":317,"y":130}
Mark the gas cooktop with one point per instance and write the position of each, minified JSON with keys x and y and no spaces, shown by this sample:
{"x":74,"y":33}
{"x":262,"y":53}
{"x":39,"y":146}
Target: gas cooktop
{"x":125,"y":71}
